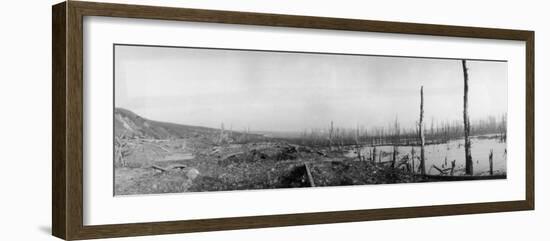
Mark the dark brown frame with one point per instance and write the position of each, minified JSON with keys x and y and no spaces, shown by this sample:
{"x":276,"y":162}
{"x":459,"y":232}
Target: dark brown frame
{"x":67,"y":121}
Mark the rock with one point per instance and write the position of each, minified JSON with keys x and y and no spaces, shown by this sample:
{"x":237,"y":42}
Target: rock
{"x":192,"y":173}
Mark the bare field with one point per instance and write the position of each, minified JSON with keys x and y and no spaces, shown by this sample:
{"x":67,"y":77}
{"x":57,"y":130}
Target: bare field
{"x":154,"y":167}
{"x":259,"y":165}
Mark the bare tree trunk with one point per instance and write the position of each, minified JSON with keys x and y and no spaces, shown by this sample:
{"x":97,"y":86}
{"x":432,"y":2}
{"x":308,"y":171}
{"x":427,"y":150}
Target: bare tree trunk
{"x":247,"y":133}
{"x":336,"y":136}
{"x":330,"y":135}
{"x":374,"y":154}
{"x":394,"y":156}
{"x":412,"y":159}
{"x":453,"y":165}
{"x":491,"y":162}
{"x":467,"y":144}
{"x":412,"y":164}
{"x":221,"y":134}
{"x":309,"y":176}
{"x":421,"y":132}
{"x":357,"y":144}
{"x":122,"y":150}
{"x":396,"y":139}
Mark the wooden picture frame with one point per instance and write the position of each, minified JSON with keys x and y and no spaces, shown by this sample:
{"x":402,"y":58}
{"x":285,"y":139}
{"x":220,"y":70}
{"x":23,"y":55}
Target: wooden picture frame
{"x":67,"y":122}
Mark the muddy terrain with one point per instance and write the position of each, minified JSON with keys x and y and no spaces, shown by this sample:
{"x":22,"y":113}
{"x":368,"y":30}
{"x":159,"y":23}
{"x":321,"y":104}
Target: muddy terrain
{"x":156,"y":157}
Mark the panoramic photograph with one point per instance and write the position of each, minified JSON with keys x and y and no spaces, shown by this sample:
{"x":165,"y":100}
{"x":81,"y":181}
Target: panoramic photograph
{"x":190,"y":119}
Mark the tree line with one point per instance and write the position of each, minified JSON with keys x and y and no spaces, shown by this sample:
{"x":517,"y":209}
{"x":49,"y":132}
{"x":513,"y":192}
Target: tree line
{"x":393,"y":134}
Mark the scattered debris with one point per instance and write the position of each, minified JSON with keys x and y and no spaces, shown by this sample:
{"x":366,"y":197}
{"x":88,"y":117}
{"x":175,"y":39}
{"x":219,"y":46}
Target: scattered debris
{"x":192,"y":173}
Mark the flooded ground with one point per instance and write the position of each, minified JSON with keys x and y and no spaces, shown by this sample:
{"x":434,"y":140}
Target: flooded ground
{"x":441,"y":155}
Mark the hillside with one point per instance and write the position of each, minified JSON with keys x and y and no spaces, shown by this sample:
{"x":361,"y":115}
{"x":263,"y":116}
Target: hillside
{"x":131,"y":125}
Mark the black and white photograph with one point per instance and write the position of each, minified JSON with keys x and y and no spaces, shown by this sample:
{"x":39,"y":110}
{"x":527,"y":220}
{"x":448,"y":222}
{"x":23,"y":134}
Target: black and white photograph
{"x":274,"y":120}
{"x":191,"y":119}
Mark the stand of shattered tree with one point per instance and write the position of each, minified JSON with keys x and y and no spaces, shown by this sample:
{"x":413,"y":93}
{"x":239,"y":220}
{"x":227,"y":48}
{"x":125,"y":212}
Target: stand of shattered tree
{"x":159,"y":157}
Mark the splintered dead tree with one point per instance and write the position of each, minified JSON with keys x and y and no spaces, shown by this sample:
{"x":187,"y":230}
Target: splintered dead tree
{"x":396,"y":140}
{"x":412,"y":160}
{"x":245,"y":134}
{"x":467,"y":144}
{"x":421,"y":132}
{"x":220,"y":141}
{"x":491,"y":162}
{"x":374,"y":154}
{"x":336,"y":137}
{"x":357,"y":143}
{"x":122,"y":150}
{"x":330,"y":134}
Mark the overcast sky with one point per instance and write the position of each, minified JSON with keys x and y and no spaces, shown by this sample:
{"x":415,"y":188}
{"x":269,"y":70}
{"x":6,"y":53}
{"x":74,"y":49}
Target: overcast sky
{"x":277,"y":91}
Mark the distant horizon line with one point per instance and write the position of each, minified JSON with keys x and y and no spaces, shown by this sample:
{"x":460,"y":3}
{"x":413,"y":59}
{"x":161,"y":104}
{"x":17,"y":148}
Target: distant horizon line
{"x":363,"y":127}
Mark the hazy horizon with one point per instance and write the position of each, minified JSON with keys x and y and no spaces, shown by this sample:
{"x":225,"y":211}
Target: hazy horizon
{"x":290,"y":92}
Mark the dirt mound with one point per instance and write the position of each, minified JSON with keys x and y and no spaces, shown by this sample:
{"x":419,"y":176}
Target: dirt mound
{"x":356,"y":173}
{"x":258,"y":152}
